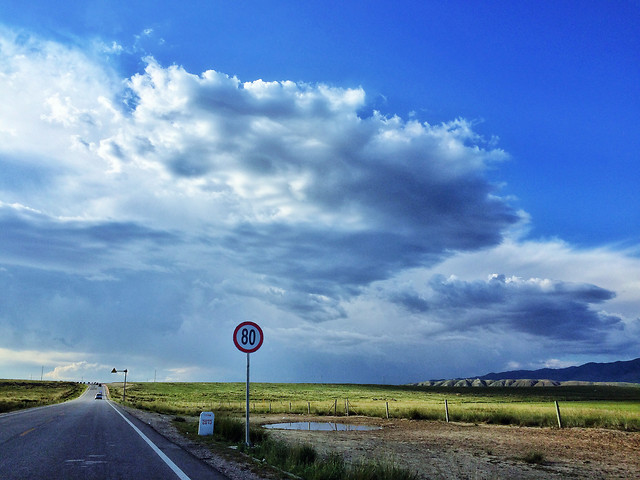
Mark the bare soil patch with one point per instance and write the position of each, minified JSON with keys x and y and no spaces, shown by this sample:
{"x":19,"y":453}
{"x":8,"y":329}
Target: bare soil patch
{"x":440,"y":450}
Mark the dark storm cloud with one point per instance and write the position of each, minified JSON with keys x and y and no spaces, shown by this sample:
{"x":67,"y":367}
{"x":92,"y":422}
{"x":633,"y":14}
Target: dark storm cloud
{"x":33,"y":238}
{"x":551,"y":309}
{"x":321,"y":261}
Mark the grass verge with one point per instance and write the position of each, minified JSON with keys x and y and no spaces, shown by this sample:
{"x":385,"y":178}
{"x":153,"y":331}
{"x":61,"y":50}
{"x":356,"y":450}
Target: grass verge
{"x":300,"y":460}
{"x":20,"y":394}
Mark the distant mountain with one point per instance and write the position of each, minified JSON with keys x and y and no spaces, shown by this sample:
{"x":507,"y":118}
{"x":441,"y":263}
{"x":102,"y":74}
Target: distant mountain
{"x":628,"y":371}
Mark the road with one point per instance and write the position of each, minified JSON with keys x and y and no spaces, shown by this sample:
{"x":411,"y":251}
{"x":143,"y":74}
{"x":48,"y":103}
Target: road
{"x":90,"y":439}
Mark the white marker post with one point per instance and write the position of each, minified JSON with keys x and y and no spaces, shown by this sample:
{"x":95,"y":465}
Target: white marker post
{"x":206,"y":423}
{"x":248,"y":338}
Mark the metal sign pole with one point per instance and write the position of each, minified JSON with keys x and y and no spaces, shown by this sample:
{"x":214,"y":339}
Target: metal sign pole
{"x":248,"y":338}
{"x":247,"y":426}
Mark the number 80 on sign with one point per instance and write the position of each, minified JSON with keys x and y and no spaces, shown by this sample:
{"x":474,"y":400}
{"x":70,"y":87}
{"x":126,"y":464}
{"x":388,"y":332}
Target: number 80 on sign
{"x":248,"y":337}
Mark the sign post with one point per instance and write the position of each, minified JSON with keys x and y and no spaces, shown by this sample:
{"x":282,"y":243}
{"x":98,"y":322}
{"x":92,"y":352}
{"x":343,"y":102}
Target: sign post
{"x":248,"y":338}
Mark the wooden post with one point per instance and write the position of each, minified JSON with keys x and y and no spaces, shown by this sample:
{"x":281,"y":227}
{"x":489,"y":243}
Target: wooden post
{"x":346,"y":406}
{"x":289,"y":407}
{"x":446,"y":410}
{"x":335,"y":407}
{"x":308,"y":408}
{"x":387,"y":403}
{"x":558,"y":415}
{"x":269,"y":406}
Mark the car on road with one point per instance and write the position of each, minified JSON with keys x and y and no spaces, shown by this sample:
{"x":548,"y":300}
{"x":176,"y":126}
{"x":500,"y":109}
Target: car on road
{"x":98,"y":396}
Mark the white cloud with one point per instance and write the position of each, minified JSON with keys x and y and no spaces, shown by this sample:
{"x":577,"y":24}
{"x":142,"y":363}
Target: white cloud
{"x":73,"y":371}
{"x":50,"y":365}
{"x":34,"y":357}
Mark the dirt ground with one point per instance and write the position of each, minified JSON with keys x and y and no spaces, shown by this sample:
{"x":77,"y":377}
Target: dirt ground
{"x":439,"y":450}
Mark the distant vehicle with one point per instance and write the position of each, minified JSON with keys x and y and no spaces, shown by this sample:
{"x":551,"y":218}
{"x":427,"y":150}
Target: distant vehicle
{"x":98,"y":396}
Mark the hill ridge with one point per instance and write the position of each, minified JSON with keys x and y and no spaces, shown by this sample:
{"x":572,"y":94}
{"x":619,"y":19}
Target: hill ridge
{"x":619,"y":372}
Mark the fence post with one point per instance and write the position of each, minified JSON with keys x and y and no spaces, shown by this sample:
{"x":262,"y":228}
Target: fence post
{"x":308,"y":408}
{"x":446,"y":410}
{"x":269,"y":406}
{"x":387,"y":404}
{"x":289,"y":407}
{"x":346,"y":406}
{"x":558,"y":414}
{"x":335,"y":407}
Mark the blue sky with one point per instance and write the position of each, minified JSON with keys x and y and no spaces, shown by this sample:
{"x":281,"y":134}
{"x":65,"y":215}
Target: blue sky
{"x":394,"y":191}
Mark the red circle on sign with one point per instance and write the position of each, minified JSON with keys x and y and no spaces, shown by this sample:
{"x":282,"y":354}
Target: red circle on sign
{"x":248,"y":337}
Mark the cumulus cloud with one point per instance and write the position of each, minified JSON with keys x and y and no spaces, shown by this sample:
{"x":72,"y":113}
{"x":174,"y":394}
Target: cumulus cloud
{"x":287,"y":178}
{"x":73,"y":370}
{"x":303,"y":189}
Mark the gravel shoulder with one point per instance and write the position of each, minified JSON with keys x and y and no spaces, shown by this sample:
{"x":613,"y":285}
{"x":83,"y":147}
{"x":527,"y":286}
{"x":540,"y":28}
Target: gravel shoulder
{"x":439,"y":450}
{"x":234,"y":465}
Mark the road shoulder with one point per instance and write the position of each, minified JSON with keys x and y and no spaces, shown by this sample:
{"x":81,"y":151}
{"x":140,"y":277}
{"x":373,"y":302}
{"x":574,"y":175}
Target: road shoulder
{"x":241,"y":468}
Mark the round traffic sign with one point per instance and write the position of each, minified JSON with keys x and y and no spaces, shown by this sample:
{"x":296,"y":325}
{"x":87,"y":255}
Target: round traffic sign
{"x":248,"y":337}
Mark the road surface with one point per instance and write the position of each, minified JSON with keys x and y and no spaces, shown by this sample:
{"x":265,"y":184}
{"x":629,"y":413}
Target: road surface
{"x":90,"y":439}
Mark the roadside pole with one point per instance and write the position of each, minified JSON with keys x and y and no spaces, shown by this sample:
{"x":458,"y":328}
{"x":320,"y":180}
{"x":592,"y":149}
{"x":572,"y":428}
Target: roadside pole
{"x":248,"y":338}
{"x":247,"y":441}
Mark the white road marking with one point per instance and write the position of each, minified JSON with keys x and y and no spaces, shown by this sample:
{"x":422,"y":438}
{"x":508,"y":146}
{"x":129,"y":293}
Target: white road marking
{"x":181,"y":475}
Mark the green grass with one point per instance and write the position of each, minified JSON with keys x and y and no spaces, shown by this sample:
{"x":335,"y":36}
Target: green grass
{"x":581,"y":406}
{"x":19,"y":394}
{"x":301,"y":460}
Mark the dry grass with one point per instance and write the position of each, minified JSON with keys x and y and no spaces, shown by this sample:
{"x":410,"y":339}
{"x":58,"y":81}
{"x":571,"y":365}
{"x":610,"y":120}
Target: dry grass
{"x":18,"y":394}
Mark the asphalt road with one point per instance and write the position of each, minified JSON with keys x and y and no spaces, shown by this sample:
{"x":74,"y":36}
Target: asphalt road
{"x":90,"y":439}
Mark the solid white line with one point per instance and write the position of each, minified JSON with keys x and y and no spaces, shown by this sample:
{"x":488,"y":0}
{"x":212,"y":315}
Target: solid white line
{"x":181,"y":475}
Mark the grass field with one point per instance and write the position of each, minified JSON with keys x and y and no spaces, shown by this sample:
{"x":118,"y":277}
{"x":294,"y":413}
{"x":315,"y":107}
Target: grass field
{"x":18,"y":394}
{"x":581,"y":406}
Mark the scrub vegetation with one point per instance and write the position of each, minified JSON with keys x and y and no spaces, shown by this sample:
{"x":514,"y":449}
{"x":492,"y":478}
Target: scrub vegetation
{"x":602,"y":406}
{"x":18,"y":394}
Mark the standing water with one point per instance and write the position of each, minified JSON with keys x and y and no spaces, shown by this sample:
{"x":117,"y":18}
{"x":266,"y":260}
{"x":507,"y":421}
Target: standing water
{"x":319,"y":426}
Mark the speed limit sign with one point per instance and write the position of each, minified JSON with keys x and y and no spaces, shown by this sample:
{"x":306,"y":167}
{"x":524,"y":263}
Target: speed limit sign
{"x":248,"y":337}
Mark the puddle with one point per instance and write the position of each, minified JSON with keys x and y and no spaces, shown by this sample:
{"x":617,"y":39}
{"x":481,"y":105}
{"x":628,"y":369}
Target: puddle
{"x":319,"y":426}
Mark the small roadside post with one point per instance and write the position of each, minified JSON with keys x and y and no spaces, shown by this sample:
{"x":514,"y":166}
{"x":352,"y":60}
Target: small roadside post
{"x":248,"y":338}
{"x":205,"y":427}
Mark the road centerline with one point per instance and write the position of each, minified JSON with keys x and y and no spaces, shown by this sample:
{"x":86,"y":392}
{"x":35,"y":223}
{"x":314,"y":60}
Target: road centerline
{"x":181,"y":475}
